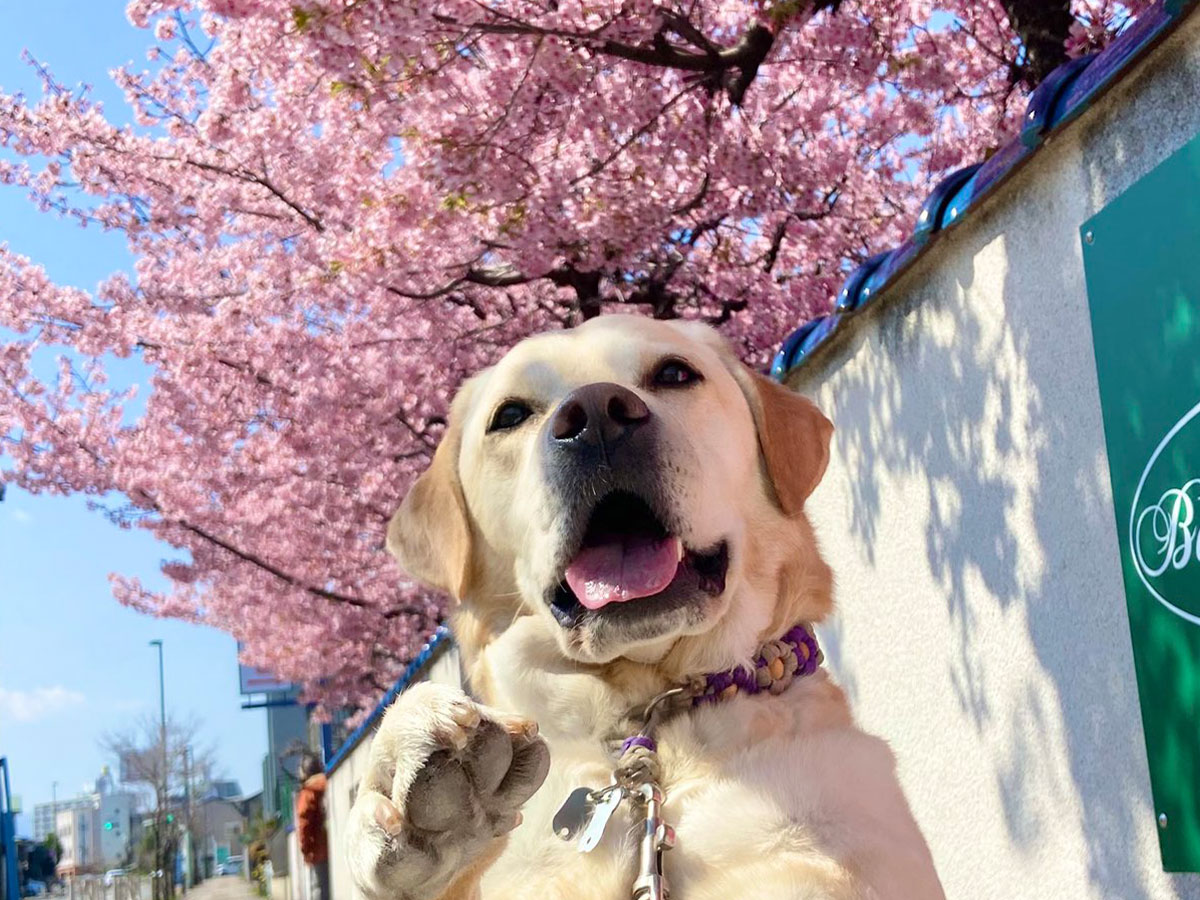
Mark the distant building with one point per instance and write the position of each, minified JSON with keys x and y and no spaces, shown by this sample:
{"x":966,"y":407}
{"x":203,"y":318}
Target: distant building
{"x":44,"y":813}
{"x":75,"y":828}
{"x":95,"y":829}
{"x":218,"y":828}
{"x":223,"y":790}
{"x":286,"y":726}
{"x":114,"y":831}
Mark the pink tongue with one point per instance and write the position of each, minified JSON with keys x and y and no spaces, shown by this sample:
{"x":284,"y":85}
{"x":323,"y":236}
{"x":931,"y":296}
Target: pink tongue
{"x":623,"y":570}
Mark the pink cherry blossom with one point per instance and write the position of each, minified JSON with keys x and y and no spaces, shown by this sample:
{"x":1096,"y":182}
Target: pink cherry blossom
{"x":339,"y":209}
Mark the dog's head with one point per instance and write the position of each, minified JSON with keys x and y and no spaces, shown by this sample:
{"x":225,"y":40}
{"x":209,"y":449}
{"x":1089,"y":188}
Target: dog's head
{"x":634,"y":486}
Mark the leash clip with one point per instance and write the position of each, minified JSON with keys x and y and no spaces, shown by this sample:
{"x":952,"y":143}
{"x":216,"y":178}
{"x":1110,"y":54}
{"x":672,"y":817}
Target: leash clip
{"x":657,"y":837}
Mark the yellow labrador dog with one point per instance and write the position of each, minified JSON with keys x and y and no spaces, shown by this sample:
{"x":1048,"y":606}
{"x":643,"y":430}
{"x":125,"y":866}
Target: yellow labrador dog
{"x":619,"y":510}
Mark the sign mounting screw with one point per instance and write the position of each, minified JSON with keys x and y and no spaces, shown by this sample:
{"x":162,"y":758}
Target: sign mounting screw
{"x":1089,"y":237}
{"x":1162,"y":820}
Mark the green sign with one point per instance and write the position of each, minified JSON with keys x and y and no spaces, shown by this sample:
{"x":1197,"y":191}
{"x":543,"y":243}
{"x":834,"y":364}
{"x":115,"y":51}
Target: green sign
{"x":1142,"y":258}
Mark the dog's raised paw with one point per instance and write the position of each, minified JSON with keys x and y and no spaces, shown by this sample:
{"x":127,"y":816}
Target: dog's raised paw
{"x":446,"y":776}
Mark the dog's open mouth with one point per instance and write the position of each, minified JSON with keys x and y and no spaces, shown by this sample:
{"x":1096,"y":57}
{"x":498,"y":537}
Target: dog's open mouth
{"x":627,"y":554}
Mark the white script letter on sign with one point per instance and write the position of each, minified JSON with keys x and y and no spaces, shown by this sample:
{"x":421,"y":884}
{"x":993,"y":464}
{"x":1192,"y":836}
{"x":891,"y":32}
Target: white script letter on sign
{"x":1163,"y":525}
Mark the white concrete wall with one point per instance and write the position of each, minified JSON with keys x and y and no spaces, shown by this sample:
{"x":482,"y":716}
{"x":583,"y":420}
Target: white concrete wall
{"x":300,"y":883}
{"x":967,"y":514}
{"x":343,"y":784}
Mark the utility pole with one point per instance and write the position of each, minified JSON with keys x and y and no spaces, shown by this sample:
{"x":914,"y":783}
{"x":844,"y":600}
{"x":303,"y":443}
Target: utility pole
{"x":10,"y":879}
{"x":54,"y":809}
{"x":187,"y":821}
{"x":164,"y":800}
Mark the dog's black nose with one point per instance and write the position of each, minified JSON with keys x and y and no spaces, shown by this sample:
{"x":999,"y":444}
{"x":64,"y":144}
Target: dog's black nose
{"x":597,"y":414}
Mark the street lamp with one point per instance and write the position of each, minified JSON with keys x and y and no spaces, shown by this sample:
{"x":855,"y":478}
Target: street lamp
{"x":162,"y":709}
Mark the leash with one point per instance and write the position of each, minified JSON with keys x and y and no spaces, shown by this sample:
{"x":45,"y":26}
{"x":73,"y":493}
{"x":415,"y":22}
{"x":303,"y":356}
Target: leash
{"x":637,"y":775}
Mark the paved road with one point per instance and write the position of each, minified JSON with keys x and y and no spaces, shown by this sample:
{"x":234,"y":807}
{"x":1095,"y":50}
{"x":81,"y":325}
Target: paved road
{"x":224,"y":887}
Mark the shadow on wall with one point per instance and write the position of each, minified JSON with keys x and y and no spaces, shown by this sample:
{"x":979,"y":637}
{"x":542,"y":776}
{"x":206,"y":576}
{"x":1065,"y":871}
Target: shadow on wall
{"x":996,"y":416}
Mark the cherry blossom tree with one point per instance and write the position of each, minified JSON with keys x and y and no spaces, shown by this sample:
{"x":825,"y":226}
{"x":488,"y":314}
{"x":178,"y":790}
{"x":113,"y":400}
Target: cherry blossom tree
{"x":339,"y":207}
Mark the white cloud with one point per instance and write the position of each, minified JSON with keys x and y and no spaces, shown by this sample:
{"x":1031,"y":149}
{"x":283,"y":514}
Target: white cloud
{"x":39,"y":703}
{"x":21,"y":516}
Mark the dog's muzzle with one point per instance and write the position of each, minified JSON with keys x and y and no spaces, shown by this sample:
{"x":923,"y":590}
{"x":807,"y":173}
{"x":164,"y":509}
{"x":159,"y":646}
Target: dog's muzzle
{"x":623,"y":559}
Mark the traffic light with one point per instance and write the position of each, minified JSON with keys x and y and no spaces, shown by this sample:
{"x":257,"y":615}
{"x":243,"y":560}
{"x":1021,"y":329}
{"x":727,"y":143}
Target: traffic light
{"x":170,"y":818}
{"x":108,"y":826}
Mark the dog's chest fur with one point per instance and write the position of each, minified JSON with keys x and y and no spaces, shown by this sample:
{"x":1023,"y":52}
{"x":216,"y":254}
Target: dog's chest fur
{"x":772,"y":796}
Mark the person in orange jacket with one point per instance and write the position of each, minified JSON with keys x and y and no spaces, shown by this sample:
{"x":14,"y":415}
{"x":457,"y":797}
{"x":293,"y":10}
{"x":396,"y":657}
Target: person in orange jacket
{"x":310,"y":825}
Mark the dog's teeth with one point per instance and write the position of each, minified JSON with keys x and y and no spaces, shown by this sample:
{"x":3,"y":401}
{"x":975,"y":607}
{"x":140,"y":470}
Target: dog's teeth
{"x":678,"y":550}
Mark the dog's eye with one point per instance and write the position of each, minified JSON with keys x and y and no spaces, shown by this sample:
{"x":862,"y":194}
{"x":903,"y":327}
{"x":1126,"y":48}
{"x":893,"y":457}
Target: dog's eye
{"x":675,"y":372}
{"x":510,"y":414}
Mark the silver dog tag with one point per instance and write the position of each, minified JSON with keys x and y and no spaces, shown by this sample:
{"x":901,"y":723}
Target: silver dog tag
{"x":574,"y":815}
{"x":605,"y":805}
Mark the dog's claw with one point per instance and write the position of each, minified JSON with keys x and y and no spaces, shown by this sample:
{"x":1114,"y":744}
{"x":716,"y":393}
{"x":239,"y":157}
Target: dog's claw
{"x":466,"y":715}
{"x":388,"y":817}
{"x":524,"y":728}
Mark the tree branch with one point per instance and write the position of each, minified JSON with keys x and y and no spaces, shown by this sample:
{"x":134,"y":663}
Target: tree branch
{"x":731,"y":68}
{"x":261,"y":563}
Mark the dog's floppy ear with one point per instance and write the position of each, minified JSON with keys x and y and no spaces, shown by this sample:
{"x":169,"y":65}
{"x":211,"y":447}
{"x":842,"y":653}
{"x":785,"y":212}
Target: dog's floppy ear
{"x":793,"y":434}
{"x":430,"y":534}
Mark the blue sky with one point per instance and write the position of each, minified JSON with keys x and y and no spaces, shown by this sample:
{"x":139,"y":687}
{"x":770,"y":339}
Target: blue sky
{"x":73,"y":662}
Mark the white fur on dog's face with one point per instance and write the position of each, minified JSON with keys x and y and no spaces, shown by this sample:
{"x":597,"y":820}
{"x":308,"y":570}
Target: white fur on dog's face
{"x":707,"y":464}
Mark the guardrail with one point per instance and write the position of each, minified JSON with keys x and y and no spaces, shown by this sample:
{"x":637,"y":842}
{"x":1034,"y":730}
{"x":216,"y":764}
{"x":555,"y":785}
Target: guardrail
{"x":124,"y":887}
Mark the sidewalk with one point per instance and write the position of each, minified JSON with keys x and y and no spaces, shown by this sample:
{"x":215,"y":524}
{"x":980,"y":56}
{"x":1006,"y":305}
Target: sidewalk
{"x":223,"y":887}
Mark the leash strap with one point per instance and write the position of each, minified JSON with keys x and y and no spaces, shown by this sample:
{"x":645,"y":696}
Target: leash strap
{"x":638,"y":772}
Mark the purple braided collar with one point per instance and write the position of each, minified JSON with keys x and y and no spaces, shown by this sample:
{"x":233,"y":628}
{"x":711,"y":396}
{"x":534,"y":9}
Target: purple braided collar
{"x":792,"y":656}
{"x":777,"y":665}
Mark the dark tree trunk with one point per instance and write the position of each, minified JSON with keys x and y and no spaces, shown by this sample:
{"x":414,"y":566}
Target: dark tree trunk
{"x":1043,"y":27}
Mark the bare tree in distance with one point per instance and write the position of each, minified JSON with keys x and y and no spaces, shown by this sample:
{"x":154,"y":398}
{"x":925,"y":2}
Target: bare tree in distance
{"x":170,"y":776}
